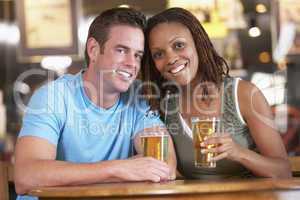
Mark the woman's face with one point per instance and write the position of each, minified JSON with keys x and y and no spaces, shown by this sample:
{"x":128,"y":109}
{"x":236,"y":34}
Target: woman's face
{"x":173,"y":52}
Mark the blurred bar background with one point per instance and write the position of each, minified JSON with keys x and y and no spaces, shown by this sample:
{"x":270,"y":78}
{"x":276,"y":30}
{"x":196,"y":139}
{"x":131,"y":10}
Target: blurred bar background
{"x":42,"y":40}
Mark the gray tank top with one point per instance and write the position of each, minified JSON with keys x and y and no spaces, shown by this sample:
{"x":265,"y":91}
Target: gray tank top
{"x":232,"y":123}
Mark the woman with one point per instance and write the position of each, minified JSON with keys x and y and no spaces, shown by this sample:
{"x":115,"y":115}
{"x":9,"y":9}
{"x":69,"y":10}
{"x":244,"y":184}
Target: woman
{"x":179,"y":53}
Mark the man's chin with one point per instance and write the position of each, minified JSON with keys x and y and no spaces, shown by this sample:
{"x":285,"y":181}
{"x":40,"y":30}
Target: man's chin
{"x":123,"y":89}
{"x":122,"y":86}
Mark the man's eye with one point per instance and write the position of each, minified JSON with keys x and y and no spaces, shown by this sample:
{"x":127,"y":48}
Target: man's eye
{"x":156,"y":55}
{"x":139,"y":56}
{"x":121,"y":50}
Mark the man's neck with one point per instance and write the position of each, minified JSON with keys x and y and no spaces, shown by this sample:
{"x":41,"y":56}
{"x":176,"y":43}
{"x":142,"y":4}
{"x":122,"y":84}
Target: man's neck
{"x":96,"y":92}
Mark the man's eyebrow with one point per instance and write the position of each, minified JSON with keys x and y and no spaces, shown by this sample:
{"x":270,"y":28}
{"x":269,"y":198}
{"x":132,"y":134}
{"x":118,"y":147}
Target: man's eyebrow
{"x":128,"y":48}
{"x":122,"y":46}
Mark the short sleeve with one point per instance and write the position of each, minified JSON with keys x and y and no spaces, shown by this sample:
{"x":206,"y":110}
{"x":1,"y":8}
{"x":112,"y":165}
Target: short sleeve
{"x":146,"y":117}
{"x":43,"y":115}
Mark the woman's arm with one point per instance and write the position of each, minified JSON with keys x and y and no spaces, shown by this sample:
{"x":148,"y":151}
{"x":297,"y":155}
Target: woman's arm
{"x":272,"y":160}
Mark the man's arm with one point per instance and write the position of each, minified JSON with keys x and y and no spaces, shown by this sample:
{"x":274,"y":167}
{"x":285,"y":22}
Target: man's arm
{"x":36,"y":166}
{"x":172,"y":161}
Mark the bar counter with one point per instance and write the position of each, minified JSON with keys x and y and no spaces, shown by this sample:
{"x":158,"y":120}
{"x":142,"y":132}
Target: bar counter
{"x":261,"y":188}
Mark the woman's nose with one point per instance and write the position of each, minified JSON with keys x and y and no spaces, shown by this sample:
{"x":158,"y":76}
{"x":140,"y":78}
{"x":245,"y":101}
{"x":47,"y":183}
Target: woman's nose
{"x":172,"y":58}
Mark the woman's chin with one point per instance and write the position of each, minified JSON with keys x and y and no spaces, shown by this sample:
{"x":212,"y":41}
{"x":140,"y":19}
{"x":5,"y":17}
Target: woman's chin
{"x":180,"y":80}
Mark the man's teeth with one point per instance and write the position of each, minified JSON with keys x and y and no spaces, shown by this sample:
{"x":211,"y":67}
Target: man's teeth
{"x":124,"y":74}
{"x":177,"y":69}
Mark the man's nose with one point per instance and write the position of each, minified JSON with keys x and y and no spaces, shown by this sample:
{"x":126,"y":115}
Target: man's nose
{"x":131,"y":59}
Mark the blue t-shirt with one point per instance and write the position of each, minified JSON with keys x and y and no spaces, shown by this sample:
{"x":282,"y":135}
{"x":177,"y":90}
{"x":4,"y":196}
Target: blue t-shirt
{"x":61,"y":113}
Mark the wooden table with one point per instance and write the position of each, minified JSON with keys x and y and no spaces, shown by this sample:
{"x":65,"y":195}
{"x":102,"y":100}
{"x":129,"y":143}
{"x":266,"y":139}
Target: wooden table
{"x":266,"y":189}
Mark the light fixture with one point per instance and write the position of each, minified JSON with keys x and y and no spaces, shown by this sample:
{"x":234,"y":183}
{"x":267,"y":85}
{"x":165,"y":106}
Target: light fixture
{"x":124,"y":6}
{"x":264,"y":57}
{"x":254,"y":30}
{"x":261,"y":8}
{"x":56,"y":63}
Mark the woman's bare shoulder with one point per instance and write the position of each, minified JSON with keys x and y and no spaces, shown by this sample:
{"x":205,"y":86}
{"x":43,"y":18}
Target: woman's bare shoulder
{"x":250,"y":97}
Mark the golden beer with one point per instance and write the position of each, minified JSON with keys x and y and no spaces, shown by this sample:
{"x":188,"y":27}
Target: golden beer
{"x":156,"y":146}
{"x":204,"y":128}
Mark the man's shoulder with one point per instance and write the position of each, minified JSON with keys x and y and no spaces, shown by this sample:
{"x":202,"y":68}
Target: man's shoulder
{"x":60,"y":82}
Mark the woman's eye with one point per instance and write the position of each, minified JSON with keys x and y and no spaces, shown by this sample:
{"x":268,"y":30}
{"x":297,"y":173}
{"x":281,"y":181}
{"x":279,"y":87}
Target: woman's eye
{"x":179,"y":45}
{"x":156,"y":55}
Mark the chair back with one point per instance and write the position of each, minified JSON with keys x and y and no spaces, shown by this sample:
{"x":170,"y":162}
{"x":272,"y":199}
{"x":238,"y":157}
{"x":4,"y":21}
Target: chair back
{"x":6,"y":176}
{"x":295,"y":164}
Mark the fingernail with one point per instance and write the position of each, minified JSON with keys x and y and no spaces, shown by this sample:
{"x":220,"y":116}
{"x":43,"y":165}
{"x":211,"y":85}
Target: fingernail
{"x":205,"y":138}
{"x":202,"y":144}
{"x":203,"y":151}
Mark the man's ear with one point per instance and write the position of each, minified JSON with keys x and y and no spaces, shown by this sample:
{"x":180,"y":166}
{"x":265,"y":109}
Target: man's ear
{"x":93,"y":49}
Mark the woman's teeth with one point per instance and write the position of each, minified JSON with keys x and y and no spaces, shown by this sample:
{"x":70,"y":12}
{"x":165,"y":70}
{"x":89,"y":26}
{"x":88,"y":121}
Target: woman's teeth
{"x":177,"y":69}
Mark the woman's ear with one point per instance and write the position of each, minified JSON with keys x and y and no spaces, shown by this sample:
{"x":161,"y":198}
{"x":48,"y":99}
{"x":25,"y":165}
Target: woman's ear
{"x":92,"y":49}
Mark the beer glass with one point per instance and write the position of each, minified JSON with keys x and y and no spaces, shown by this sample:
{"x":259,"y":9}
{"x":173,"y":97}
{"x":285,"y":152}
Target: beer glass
{"x":155,"y":144}
{"x":204,"y":127}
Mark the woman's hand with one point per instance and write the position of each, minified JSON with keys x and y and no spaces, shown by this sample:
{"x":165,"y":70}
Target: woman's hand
{"x":226,"y":147}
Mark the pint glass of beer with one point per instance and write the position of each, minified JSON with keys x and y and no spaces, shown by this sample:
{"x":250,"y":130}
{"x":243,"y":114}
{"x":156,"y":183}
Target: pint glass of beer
{"x":204,"y":127}
{"x":155,"y":144}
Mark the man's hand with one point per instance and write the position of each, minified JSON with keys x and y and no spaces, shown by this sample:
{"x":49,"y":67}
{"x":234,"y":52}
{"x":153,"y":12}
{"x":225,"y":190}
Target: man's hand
{"x":142,"y":169}
{"x":171,"y":163}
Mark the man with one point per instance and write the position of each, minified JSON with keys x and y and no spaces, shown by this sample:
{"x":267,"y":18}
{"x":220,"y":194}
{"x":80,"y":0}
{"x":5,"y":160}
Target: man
{"x":79,"y":129}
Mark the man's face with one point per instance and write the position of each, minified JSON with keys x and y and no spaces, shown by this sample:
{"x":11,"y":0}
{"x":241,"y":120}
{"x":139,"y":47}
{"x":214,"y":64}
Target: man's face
{"x":120,"y":61}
